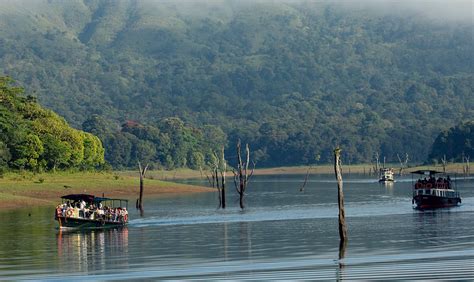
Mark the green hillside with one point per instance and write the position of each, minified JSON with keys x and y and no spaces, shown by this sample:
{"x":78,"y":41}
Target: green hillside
{"x":34,"y":138}
{"x":291,"y":79}
{"x":455,"y":143}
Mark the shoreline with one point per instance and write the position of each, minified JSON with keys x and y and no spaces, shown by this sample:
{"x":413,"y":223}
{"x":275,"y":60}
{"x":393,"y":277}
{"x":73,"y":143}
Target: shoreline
{"x":367,"y":169}
{"x":27,"y":189}
{"x":31,"y":190}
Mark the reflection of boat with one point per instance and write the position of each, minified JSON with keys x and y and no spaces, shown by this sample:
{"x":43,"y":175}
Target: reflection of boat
{"x":386,"y":175}
{"x":91,"y":250}
{"x":434,"y":193}
{"x":88,"y":211}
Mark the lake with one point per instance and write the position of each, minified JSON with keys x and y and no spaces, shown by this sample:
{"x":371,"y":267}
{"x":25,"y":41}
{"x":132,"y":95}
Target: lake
{"x":282,"y":234}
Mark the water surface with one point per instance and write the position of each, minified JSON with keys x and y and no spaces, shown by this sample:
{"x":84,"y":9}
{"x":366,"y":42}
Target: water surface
{"x":282,"y":234}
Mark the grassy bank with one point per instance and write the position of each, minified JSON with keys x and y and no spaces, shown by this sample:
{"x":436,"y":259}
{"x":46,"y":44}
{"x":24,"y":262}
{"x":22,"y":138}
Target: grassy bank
{"x":28,"y":189}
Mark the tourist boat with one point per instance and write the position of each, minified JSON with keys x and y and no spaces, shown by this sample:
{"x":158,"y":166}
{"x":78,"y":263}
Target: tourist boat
{"x":430,"y":192}
{"x":386,"y":175}
{"x":88,"y":211}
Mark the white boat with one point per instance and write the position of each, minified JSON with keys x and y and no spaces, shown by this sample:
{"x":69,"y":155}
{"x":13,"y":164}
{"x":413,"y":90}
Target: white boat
{"x":386,"y":175}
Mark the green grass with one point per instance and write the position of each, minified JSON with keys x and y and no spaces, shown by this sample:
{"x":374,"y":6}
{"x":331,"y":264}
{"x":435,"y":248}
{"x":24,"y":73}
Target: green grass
{"x":27,"y":188}
{"x":31,"y":189}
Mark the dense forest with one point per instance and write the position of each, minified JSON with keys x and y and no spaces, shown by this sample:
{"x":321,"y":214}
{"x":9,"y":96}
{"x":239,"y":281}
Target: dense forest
{"x":168,"y":143}
{"x":454,"y":144}
{"x":37,"y":139}
{"x":293,"y":79}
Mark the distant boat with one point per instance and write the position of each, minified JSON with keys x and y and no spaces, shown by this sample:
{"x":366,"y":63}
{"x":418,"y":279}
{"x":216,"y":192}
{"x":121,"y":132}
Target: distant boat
{"x":432,"y":192}
{"x":386,"y":175}
{"x":81,"y":211}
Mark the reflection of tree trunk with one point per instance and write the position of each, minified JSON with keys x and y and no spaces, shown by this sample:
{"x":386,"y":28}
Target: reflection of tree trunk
{"x":342,"y":254}
{"x":246,"y":237}
{"x":342,"y":249}
{"x":225,"y":241}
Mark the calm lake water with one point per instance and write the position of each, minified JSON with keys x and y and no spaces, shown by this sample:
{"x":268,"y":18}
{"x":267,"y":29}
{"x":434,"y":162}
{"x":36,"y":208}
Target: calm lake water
{"x":282,"y":234}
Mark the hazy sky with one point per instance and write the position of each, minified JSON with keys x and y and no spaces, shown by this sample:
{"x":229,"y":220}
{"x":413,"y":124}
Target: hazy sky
{"x":451,"y":10}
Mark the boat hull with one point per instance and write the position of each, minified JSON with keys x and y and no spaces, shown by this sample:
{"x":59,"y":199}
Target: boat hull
{"x":386,"y":180}
{"x":434,"y":202}
{"x":83,"y":223}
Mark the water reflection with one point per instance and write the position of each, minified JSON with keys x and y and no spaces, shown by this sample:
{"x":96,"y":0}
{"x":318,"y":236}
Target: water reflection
{"x":342,"y":255}
{"x":91,"y":250}
{"x":388,"y":186}
{"x":245,"y":236}
{"x":282,"y":235}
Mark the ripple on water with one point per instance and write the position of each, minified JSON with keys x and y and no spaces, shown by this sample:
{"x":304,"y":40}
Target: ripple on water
{"x":282,"y":234}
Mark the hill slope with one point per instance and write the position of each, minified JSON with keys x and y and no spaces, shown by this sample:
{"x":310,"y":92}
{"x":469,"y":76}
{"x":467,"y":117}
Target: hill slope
{"x":293,"y":80}
{"x":38,"y":139}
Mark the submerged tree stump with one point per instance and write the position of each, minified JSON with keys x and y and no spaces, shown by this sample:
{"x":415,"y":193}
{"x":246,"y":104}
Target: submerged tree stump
{"x":218,"y":171}
{"x":340,"y":196}
{"x":142,"y":177}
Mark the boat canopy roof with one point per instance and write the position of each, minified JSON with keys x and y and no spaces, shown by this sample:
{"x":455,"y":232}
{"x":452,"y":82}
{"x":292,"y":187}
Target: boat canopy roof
{"x":426,"y":172}
{"x":89,"y":198}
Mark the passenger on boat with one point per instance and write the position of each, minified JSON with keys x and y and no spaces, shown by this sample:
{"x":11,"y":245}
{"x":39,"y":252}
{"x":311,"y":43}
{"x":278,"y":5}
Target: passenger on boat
{"x":432,"y":180}
{"x":99,"y":213}
{"x":63,"y":209}
{"x":91,"y":211}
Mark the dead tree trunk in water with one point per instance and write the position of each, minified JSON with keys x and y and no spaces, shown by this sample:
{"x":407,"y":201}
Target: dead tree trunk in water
{"x":340,"y":196}
{"x":444,"y":162}
{"x":377,"y":164}
{"x":142,"y":176}
{"x":219,"y":173}
{"x":223,"y":175}
{"x":466,"y":165}
{"x":242,"y":176}
{"x":400,"y":171}
{"x":403,"y":165}
{"x":305,"y":179}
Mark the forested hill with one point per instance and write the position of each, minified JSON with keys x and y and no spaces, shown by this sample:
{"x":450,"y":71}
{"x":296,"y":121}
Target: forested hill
{"x":37,"y":139}
{"x":292,"y":80}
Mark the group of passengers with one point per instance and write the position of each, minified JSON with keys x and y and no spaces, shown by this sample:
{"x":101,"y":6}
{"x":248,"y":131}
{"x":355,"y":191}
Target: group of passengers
{"x":81,"y":209}
{"x":434,"y":183}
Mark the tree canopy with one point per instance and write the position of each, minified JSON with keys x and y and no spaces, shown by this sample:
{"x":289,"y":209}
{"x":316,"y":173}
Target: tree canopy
{"x":35,"y":138}
{"x":291,"y":78}
{"x":454,"y":143}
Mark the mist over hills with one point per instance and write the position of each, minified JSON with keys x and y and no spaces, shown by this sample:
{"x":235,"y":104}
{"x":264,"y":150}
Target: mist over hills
{"x":293,"y":79}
